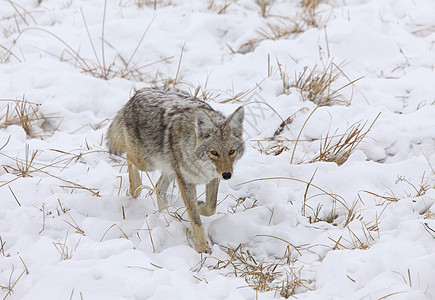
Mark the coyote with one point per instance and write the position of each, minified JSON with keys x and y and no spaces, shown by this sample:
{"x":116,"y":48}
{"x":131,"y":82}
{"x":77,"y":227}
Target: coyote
{"x":166,"y":129}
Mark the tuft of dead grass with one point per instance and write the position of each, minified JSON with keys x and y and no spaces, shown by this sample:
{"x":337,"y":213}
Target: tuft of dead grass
{"x":340,"y":150}
{"x":9,"y":287}
{"x":317,"y":86}
{"x":273,"y":30}
{"x":152,"y":3}
{"x":282,"y":26}
{"x":339,"y":213}
{"x":27,"y":166}
{"x":219,"y":8}
{"x":25,"y":114}
{"x":13,"y":24}
{"x":278,"y":276}
{"x":243,"y":204}
{"x":99,"y":66}
{"x":310,"y":12}
{"x":333,"y":148}
{"x":21,"y":17}
{"x":64,"y":251}
{"x":313,"y":217}
{"x":274,"y":147}
{"x":177,"y":79}
{"x":353,"y":241}
{"x":264,"y":7}
{"x":114,"y":226}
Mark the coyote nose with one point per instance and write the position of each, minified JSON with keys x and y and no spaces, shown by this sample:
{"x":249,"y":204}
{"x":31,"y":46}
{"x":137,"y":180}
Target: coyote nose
{"x":226,"y":175}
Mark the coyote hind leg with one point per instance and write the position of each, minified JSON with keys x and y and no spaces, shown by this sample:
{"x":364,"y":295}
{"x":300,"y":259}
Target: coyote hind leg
{"x":134,"y":177}
{"x":162,"y":188}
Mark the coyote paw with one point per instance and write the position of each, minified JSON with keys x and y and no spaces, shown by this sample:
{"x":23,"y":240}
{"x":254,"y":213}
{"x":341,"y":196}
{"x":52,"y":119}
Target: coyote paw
{"x":203,"y":249}
{"x":204,"y":210}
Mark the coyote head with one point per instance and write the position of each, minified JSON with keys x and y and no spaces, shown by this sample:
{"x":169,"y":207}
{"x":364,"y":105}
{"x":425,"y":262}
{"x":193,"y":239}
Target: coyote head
{"x":220,"y":141}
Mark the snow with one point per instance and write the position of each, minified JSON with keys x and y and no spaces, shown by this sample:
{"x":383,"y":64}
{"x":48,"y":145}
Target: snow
{"x":68,"y":229}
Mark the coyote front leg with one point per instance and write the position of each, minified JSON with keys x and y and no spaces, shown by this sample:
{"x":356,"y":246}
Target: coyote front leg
{"x":211,"y":190}
{"x":188,"y":193}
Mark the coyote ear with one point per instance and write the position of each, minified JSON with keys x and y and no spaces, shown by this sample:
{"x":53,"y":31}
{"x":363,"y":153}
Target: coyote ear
{"x":203,"y":124}
{"x":235,"y":121}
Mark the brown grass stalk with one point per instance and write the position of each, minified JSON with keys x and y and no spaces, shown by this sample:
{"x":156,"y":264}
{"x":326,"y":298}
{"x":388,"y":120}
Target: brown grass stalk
{"x":340,"y":151}
{"x":278,"y":276}
{"x":334,"y":197}
{"x":113,"y":225}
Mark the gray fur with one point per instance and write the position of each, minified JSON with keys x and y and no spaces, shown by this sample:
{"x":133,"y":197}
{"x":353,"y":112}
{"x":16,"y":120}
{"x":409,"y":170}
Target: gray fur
{"x":168,"y":130}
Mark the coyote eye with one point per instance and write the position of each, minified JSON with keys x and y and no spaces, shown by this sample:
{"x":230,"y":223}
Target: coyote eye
{"x":231,"y":152}
{"x":214,"y":153}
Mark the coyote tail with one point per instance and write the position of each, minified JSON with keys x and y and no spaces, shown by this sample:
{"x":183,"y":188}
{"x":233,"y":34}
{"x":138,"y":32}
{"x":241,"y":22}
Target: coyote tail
{"x":115,"y":136}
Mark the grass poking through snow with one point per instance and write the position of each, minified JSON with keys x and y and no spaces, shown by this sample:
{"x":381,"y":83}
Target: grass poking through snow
{"x":25,"y":114}
{"x":278,"y":276}
{"x":339,"y":151}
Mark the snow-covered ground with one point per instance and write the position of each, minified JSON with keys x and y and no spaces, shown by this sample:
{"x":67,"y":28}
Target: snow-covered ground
{"x":287,"y":224}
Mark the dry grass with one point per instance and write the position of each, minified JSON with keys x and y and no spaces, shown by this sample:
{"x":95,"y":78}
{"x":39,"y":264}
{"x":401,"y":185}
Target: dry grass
{"x":273,"y":30}
{"x":201,"y":91}
{"x":278,"y":276}
{"x":99,"y":66}
{"x":2,"y":248}
{"x":64,"y":251}
{"x":264,"y":7}
{"x":340,"y":214}
{"x":74,"y":225}
{"x":9,"y":287}
{"x":6,"y":54}
{"x":204,"y":94}
{"x":334,"y":198}
{"x":243,"y":204}
{"x":274,"y":147}
{"x":310,"y":12}
{"x":282,"y":26}
{"x":21,"y":18}
{"x":114,"y":226}
{"x":275,"y":144}
{"x":24,"y":167}
{"x":353,"y":242}
{"x":177,"y":79}
{"x":318,"y":86}
{"x":28,"y":166}
{"x":152,"y":3}
{"x":420,"y":189}
{"x":333,"y":148}
{"x":25,"y":114}
{"x":338,"y":208}
{"x":219,"y":8}
{"x":429,"y":229}
{"x":340,"y":150}
{"x":12,"y":25}
{"x":315,"y":214}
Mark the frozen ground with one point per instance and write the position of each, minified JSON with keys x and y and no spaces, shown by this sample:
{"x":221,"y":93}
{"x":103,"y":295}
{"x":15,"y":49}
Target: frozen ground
{"x":287,"y":224}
